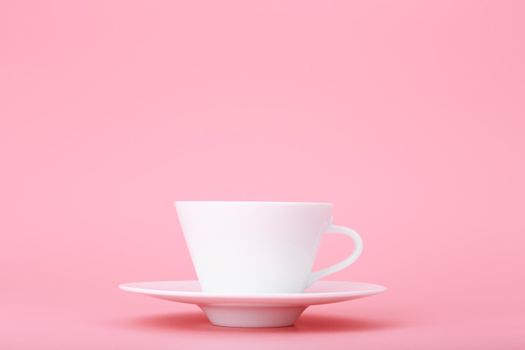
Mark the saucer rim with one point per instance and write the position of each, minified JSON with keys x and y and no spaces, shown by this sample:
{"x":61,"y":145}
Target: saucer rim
{"x":374,"y":289}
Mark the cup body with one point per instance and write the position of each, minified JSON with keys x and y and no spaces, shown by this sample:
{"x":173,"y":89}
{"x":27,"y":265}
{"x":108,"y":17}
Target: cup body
{"x":253,"y":247}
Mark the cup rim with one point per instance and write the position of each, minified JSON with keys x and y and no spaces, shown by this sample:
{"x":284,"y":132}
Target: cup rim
{"x":253,"y":202}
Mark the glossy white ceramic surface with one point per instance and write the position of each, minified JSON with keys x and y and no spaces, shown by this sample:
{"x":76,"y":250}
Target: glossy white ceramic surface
{"x":259,"y":247}
{"x":254,"y":310}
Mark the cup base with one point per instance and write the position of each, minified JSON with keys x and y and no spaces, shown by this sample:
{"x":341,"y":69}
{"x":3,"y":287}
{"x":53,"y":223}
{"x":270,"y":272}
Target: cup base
{"x":252,"y":316}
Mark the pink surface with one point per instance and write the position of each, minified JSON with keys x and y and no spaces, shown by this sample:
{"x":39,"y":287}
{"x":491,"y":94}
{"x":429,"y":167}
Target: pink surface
{"x":408,"y":115}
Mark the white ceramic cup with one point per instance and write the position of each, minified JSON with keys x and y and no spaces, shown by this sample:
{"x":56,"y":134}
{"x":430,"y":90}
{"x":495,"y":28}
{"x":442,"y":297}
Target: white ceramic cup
{"x":259,"y":247}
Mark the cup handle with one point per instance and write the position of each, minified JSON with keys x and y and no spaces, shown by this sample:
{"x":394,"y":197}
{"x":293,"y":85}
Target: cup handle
{"x":358,"y":249}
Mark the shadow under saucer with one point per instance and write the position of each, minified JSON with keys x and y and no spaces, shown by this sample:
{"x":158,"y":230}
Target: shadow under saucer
{"x":308,"y":323}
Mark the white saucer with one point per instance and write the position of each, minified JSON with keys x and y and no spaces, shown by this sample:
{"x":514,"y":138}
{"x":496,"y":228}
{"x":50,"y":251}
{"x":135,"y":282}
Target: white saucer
{"x":254,"y":310}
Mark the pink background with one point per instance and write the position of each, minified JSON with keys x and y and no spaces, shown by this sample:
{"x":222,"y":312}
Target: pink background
{"x":408,"y":115}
